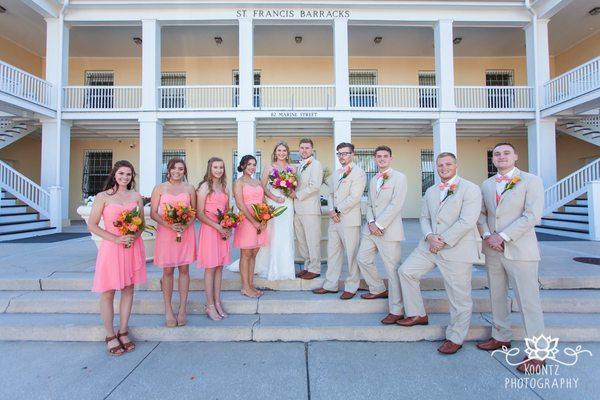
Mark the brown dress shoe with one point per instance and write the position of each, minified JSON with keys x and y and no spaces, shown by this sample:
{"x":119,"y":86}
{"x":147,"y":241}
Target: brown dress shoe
{"x":323,"y":291}
{"x":531,"y":366}
{"x":492,"y":344}
{"x":371,"y":296}
{"x":449,"y":347}
{"x":412,"y":321}
{"x":347,"y":295}
{"x":309,"y":275}
{"x":391,"y":319}
{"x":299,"y":274}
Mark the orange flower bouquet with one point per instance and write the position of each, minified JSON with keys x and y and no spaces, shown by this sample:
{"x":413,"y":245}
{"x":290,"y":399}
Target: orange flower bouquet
{"x":178,"y":214}
{"x":264,"y":212}
{"x":130,"y":222}
{"x":228,"y":219}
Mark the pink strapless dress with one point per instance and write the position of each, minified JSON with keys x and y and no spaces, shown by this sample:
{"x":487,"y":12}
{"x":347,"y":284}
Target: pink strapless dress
{"x":213,"y":251}
{"x":116,"y":266}
{"x":168,"y":252}
{"x":245,"y":235}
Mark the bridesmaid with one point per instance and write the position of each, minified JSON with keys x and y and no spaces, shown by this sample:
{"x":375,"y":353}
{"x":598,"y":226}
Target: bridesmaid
{"x":168,"y":252}
{"x":248,"y":191}
{"x":213,"y":243}
{"x":117,"y":267}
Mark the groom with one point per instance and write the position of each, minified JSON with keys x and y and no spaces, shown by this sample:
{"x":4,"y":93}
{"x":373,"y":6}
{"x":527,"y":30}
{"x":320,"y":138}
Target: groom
{"x":346,"y":187}
{"x":307,"y":207}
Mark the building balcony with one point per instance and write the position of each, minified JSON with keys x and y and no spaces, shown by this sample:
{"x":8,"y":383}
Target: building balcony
{"x":102,"y":98}
{"x":493,"y":98}
{"x":393,"y":97}
{"x":205,"y":97}
{"x":25,"y":87}
{"x":294,"y":97}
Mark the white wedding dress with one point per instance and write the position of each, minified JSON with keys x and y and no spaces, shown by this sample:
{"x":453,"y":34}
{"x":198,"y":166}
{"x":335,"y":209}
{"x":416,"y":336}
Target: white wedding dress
{"x":275,"y":261}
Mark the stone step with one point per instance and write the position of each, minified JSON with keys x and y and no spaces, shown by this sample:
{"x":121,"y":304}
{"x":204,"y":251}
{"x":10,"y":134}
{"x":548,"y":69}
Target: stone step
{"x":285,"y":302}
{"x":275,"y":327}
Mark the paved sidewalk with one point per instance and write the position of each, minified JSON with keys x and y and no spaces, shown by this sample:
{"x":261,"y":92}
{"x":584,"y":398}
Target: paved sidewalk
{"x":315,"y":371}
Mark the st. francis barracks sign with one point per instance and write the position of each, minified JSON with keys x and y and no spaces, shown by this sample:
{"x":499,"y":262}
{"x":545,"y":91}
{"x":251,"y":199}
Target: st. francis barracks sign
{"x":276,"y":13}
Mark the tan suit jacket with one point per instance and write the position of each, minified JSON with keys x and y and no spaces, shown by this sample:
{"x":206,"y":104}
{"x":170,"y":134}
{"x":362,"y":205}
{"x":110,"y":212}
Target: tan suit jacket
{"x":516,"y":215}
{"x":345,"y":194}
{"x":385,"y":207}
{"x":308,"y":201}
{"x":455,"y":219}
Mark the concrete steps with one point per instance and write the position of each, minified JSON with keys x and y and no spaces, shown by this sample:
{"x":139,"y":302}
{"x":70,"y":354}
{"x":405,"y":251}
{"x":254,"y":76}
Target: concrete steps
{"x":573,"y":221}
{"x":18,"y":222}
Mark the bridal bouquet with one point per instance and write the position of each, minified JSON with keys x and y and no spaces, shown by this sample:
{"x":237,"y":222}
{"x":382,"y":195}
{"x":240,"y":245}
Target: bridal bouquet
{"x":228,"y":219}
{"x":285,"y":180}
{"x":178,"y":214}
{"x":264,"y":212}
{"x":130,"y":222}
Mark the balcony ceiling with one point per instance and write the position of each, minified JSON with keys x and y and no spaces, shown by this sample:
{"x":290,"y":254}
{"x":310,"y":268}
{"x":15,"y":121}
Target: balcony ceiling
{"x":27,"y":28}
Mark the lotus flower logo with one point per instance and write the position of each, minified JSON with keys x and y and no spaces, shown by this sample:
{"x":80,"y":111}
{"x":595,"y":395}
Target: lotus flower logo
{"x":541,"y":347}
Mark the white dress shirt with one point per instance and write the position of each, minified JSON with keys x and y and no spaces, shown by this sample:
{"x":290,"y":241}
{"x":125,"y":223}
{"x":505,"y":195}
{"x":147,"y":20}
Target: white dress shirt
{"x":444,"y":191}
{"x":499,"y":189}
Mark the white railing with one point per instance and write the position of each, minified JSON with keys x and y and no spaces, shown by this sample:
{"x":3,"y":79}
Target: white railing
{"x":494,"y":98}
{"x":591,"y":122}
{"x":25,"y":86}
{"x":294,"y":97}
{"x":573,"y":83}
{"x":102,"y":98}
{"x":198,"y":97}
{"x":570,"y":187}
{"x":24,"y":189}
{"x":393,"y":97}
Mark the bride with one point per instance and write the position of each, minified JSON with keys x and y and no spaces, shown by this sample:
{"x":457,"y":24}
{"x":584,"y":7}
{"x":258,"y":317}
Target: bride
{"x":275,"y":261}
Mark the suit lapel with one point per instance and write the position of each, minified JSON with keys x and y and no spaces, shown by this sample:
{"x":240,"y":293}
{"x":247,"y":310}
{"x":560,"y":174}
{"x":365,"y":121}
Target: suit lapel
{"x":443,"y":203}
{"x":507,"y":193}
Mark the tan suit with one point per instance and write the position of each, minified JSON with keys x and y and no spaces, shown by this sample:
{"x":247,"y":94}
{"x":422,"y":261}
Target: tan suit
{"x":384,"y":208}
{"x":455,"y":220}
{"x":515,"y":216}
{"x":345,"y":195}
{"x":307,"y":217}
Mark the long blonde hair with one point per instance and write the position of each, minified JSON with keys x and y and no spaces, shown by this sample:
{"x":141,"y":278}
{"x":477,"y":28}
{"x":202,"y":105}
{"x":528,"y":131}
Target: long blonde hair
{"x":287,"y":148}
{"x":208,"y":175}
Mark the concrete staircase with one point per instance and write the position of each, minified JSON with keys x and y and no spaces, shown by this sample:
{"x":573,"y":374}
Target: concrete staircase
{"x":13,"y":129}
{"x":586,"y":128}
{"x":18,"y":221}
{"x":61,"y":308}
{"x":572,"y":220}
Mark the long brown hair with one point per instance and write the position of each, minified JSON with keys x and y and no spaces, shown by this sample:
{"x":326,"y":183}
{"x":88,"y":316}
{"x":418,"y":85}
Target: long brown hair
{"x":287,"y":148}
{"x":208,"y":175}
{"x":171,"y":164}
{"x":111,"y":182}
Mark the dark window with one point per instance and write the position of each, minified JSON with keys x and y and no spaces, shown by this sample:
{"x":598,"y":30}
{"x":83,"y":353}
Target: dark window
{"x":363,"y":96}
{"x":491,"y":168}
{"x":172,"y":97}
{"x":498,"y":95}
{"x":102,"y":94}
{"x":96,"y":168}
{"x":364,"y":158}
{"x":166,"y":156}
{"x":427,"y":170}
{"x":236,"y":91}
{"x":427,"y":96}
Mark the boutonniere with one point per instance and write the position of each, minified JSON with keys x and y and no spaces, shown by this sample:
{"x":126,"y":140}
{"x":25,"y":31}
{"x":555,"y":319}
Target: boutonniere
{"x":450,"y":191}
{"x":346,"y":171}
{"x":305,"y":165}
{"x":384,"y":178}
{"x":511,"y":184}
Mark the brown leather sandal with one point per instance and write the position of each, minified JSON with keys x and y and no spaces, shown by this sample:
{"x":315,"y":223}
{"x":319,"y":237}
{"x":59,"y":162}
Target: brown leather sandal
{"x":117,"y":350}
{"x":129,"y":346}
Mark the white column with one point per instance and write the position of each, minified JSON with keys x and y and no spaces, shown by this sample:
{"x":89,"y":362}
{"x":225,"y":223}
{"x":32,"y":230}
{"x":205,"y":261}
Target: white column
{"x":246,"y":137}
{"x":57,"y":55}
{"x":593,"y":195}
{"x":151,"y":147}
{"x":340,"y":61}
{"x":444,"y":63}
{"x":342,"y":132}
{"x":541,"y":149}
{"x":56,"y":158}
{"x":444,"y":136}
{"x":538,"y":55}
{"x":151,"y":46}
{"x":246,"y":63}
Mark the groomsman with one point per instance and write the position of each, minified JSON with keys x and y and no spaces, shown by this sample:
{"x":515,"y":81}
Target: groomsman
{"x":346,"y":187}
{"x":513,"y":202}
{"x":307,"y":207}
{"x":383,"y":232}
{"x":451,"y":241}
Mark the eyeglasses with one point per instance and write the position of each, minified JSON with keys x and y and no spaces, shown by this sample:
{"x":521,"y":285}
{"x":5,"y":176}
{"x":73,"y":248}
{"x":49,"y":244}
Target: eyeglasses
{"x":343,"y":153}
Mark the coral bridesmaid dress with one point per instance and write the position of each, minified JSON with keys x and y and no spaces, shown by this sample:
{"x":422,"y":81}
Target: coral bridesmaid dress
{"x":116,"y":266}
{"x":168,"y":252}
{"x":213,"y":251}
{"x":246,"y":236}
